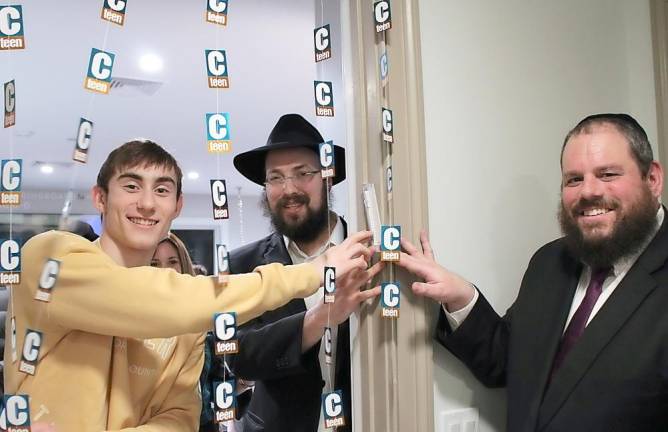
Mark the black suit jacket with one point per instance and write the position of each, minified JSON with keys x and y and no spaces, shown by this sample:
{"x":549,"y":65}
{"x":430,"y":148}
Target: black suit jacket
{"x":288,"y":384}
{"x":614,"y":379}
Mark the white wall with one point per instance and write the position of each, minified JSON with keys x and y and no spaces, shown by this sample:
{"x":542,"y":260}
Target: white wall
{"x":334,"y":128}
{"x":503,"y":83}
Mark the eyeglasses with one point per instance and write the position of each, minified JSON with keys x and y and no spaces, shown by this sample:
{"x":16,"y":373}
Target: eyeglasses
{"x":302,"y":178}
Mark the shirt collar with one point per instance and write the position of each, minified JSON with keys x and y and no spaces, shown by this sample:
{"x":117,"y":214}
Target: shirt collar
{"x":335,"y":238}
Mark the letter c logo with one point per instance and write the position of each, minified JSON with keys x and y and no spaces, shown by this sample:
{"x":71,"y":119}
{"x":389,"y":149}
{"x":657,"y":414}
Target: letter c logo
{"x":224,"y":395}
{"x":333,"y":406}
{"x":218,"y":193}
{"x":323,"y":94}
{"x":225,"y":326}
{"x":100,"y":66}
{"x":381,"y":11}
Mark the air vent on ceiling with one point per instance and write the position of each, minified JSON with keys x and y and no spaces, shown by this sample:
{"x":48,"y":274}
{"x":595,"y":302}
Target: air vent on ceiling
{"x":133,"y":87}
{"x":24,"y":133}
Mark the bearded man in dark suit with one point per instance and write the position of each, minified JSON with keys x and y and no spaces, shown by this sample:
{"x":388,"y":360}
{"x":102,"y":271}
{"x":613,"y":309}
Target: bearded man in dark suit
{"x":585,"y":345}
{"x":281,"y":350}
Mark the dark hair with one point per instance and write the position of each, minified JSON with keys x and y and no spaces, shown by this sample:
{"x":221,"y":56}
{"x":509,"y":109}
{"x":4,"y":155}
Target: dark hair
{"x":80,"y":228}
{"x":639,"y":145}
{"x":135,"y":153}
{"x":200,"y":270}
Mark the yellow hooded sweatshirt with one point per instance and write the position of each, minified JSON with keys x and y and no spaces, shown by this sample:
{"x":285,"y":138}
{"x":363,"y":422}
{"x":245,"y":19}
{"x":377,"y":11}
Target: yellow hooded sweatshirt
{"x":121,"y":347}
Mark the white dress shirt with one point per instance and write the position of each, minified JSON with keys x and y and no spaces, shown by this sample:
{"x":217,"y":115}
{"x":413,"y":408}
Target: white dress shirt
{"x":619,"y":271}
{"x":299,"y":257}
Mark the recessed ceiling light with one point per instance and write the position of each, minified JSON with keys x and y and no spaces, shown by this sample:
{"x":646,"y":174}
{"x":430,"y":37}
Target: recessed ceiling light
{"x":150,"y":63}
{"x":46,"y":169}
{"x":193,"y":175}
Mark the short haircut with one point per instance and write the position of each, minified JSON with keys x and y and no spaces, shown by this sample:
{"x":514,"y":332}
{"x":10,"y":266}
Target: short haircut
{"x":639,"y":145}
{"x":137,"y":153}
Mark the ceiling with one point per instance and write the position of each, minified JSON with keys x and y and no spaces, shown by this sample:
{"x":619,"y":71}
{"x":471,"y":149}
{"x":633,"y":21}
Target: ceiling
{"x":271,"y":69}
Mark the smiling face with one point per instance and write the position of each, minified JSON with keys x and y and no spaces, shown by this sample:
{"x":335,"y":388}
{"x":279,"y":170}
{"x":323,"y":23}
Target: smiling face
{"x":137,"y":210}
{"x":606,"y":202}
{"x":298,"y":208}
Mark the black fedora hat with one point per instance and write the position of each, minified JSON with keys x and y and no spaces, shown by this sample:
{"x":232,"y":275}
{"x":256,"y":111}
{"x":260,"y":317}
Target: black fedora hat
{"x":291,"y":131}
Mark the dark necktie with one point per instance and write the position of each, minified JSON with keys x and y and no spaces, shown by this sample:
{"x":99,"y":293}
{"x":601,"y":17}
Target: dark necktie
{"x":579,"y":320}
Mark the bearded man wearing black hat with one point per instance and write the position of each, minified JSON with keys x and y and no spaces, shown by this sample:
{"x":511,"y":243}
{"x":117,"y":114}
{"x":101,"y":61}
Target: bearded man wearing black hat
{"x":282,"y":350}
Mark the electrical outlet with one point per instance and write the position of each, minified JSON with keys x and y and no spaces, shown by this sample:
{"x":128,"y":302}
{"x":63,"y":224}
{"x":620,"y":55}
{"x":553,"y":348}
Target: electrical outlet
{"x":460,"y":420}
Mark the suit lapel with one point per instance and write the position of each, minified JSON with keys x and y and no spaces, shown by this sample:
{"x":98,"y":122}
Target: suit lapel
{"x":559,"y":283}
{"x":624,"y":301}
{"x":276,"y":252}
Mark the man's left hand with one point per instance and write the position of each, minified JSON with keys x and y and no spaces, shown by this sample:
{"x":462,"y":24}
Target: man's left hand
{"x":347,"y":298}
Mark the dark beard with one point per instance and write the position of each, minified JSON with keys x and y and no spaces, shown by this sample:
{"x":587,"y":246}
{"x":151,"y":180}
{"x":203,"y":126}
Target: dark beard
{"x":306,"y":230}
{"x":627,"y":237}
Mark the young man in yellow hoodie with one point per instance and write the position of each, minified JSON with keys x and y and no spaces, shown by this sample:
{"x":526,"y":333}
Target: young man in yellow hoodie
{"x":103,"y":342}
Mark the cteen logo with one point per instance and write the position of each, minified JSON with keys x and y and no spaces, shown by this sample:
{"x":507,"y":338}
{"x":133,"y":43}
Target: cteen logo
{"x":84,"y":134}
{"x":388,"y":125}
{"x":98,"y":76}
{"x":324,"y":98}
{"x":10,"y":104}
{"x":332,"y":409}
{"x":31,"y":346}
{"x":327,"y":159}
{"x":390,"y":240}
{"x":11,"y":28}
{"x":389,"y":299}
{"x":10,"y":261}
{"x":114,"y":11}
{"x":225,"y":400}
{"x":388,"y":179}
{"x":327,"y":340}
{"x":225,"y":329}
{"x":322,"y":43}
{"x":219,"y":199}
{"x":216,"y":12}
{"x":223,"y":262}
{"x":11,"y":171}
{"x":15,"y":416}
{"x":382,"y":15}
{"x":216,"y":68}
{"x":218,"y":132}
{"x":383,"y":64}
{"x":330,"y":284}
{"x":47,"y":280}
{"x":223,"y":258}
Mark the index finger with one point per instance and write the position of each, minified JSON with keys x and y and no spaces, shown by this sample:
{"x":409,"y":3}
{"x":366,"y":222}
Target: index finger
{"x":426,"y":246}
{"x":410,"y":247}
{"x":358,"y":249}
{"x":375,"y":269}
{"x":358,"y":237}
{"x":415,"y":265}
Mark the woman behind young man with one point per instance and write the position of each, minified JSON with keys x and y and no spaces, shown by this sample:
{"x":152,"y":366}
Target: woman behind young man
{"x":173,"y":253}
